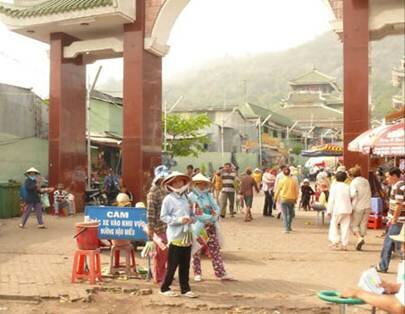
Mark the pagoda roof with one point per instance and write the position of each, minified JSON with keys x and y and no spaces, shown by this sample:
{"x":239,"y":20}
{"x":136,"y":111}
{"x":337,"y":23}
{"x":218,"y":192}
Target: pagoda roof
{"x":51,"y":7}
{"x":318,"y":114}
{"x":314,"y":77}
{"x":252,"y":111}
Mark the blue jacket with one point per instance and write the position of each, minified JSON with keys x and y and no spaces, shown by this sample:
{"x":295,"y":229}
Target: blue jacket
{"x":32,"y":192}
{"x":174,"y":207}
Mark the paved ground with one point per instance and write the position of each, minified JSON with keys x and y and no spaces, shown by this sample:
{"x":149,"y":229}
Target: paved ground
{"x":276,"y":272}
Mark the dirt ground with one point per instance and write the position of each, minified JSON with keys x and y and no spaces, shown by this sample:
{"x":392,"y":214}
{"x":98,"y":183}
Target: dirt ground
{"x":275,"y":272}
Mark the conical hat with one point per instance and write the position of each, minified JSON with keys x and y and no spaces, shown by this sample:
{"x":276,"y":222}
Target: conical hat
{"x":32,"y":169}
{"x":175,"y":174}
{"x":201,"y":178}
{"x":400,"y":237}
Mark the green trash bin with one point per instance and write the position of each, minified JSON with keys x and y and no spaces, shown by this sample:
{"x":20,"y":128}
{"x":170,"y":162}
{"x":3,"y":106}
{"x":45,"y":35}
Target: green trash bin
{"x":9,"y":200}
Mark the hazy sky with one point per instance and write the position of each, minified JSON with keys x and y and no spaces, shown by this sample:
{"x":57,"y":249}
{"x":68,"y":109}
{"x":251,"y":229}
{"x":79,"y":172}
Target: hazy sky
{"x":206,"y":29}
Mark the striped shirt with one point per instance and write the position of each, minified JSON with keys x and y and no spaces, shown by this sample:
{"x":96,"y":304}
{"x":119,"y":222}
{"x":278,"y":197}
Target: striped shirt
{"x":154,"y":204}
{"x":397,"y":199}
{"x":228,"y":181}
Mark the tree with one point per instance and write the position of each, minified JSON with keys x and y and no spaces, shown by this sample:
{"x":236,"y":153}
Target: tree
{"x":185,"y":135}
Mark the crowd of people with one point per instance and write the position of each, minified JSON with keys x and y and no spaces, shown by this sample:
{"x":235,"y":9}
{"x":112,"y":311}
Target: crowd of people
{"x":185,"y":211}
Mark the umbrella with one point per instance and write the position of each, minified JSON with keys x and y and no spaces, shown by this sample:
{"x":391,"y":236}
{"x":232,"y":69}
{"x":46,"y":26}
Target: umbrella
{"x":321,"y":161}
{"x":390,"y":141}
{"x":362,"y":143}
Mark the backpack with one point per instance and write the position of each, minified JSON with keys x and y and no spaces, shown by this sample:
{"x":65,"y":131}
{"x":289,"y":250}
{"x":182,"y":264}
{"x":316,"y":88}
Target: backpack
{"x":23,"y":192}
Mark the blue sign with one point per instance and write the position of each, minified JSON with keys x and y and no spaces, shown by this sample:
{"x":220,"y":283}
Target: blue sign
{"x":119,"y":223}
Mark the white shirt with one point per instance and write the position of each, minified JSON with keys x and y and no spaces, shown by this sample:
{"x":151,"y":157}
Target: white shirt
{"x":323,"y":175}
{"x":339,"y":199}
{"x":360,"y":193}
{"x":269,"y":181}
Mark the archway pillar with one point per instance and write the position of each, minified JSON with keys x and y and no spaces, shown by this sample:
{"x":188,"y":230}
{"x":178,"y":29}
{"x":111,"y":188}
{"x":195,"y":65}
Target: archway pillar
{"x":142,"y":138}
{"x":356,"y":74}
{"x":67,"y":119}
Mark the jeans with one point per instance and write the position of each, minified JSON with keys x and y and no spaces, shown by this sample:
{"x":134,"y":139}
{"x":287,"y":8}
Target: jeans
{"x":287,"y":208}
{"x":388,"y":244}
{"x":225,"y":196}
{"x":178,"y":256}
{"x":63,"y":205}
{"x":268,"y":203}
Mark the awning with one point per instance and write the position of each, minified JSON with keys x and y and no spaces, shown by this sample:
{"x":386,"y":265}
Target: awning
{"x":386,"y":140}
{"x":323,"y":150}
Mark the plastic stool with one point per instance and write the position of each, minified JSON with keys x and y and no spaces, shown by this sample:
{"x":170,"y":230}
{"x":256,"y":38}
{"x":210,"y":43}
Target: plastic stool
{"x":130,"y":264}
{"x":374,"y":222}
{"x":86,"y":265}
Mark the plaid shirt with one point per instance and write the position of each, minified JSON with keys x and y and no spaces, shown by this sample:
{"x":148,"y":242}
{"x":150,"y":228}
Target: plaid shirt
{"x":154,"y":205}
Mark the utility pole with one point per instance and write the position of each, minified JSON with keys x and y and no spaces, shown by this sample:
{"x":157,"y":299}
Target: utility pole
{"x":90,"y":90}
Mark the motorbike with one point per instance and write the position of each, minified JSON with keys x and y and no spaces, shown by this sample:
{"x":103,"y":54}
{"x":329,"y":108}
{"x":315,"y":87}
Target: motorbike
{"x":96,"y":196}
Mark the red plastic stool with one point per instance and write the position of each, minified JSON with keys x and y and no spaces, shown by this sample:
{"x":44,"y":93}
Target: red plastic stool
{"x":374,"y":222}
{"x":130,"y":264}
{"x":79,"y":268}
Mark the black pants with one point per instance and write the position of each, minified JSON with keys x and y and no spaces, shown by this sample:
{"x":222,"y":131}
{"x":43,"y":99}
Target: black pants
{"x":178,"y":256}
{"x":268,"y":203}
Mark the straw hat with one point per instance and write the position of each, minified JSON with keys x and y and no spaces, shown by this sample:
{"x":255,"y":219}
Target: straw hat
{"x":32,"y":169}
{"x":140,"y":205}
{"x":400,"y":237}
{"x":123,"y":198}
{"x":174,"y":175}
{"x":201,"y":178}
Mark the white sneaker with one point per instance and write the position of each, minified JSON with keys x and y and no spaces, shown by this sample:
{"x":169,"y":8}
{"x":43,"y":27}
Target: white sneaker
{"x":227,"y":277}
{"x":169,"y":293}
{"x":198,"y":278}
{"x":189,"y":294}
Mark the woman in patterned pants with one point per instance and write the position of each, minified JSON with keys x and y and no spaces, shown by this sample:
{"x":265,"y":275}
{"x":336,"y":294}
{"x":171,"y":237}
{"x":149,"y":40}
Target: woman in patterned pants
{"x":206,"y":211}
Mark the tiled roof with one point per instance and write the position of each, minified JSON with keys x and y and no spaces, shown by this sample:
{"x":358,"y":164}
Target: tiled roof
{"x":304,"y":98}
{"x":312,"y":112}
{"x":312,"y":77}
{"x":52,"y":7}
{"x":251,"y":111}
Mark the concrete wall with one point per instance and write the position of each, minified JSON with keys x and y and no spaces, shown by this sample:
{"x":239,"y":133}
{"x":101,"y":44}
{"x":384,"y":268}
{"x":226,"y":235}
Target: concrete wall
{"x":105,"y":117}
{"x":17,"y":155}
{"x":22,"y":113}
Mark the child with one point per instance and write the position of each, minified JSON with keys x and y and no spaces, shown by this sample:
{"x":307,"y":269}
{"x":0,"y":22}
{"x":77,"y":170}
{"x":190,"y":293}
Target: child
{"x":306,"y":195}
{"x":178,"y":215}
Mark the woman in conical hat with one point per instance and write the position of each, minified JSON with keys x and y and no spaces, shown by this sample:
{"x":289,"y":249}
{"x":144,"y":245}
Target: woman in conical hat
{"x":178,"y":215}
{"x":207,"y":213}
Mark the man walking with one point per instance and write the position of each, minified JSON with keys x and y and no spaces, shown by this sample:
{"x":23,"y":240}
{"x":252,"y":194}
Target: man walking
{"x":32,"y":199}
{"x":287,"y":193}
{"x":228,"y":190}
{"x":396,"y":215}
{"x":360,"y":193}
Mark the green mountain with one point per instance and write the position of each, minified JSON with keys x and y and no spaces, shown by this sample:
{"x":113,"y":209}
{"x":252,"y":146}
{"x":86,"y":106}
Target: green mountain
{"x":263,"y":78}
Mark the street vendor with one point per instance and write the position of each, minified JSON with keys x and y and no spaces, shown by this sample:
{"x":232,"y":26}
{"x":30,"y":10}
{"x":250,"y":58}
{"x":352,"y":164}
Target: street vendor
{"x":178,"y":215}
{"x":207,"y":212}
{"x":156,"y":227}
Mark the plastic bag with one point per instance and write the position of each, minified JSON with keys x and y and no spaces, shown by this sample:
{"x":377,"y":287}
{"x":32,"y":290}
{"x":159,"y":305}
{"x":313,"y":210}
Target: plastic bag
{"x":45,"y":200}
{"x":149,"y":249}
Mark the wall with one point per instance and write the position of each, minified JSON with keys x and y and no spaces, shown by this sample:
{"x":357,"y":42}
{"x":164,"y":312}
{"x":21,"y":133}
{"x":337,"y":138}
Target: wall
{"x":17,"y":155}
{"x":22,"y":113}
{"x":105,"y":117}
